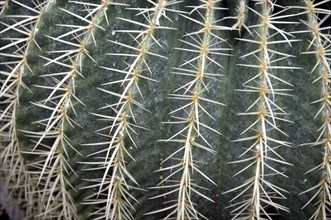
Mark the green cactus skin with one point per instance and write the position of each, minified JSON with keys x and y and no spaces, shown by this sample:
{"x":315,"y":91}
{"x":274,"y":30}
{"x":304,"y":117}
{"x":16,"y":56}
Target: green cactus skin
{"x":154,"y":109}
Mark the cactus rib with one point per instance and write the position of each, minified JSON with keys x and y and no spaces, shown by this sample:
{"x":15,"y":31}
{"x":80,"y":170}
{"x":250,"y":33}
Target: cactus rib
{"x":13,"y":162}
{"x":267,"y":111}
{"x":116,"y":185}
{"x":318,"y":46}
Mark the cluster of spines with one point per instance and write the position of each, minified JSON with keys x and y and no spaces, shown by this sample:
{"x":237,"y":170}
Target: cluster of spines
{"x":204,"y":44}
{"x":241,"y":17}
{"x":115,"y":184}
{"x":258,"y":192}
{"x":319,"y":45}
{"x":14,"y":66}
{"x":53,"y":167}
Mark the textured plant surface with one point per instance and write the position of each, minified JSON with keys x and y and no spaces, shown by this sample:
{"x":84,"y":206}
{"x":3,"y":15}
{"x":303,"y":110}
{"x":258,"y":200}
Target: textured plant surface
{"x":155,"y":109}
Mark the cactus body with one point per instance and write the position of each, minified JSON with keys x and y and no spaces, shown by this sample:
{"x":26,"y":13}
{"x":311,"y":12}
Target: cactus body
{"x":161,"y":109}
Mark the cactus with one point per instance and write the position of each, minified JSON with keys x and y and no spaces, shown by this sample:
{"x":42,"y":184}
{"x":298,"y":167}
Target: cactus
{"x":155,"y":109}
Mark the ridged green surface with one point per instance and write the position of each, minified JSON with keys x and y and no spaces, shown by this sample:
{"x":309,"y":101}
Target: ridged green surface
{"x":151,"y":150}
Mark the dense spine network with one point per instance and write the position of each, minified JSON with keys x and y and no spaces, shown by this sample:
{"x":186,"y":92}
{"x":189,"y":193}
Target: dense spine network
{"x":258,"y":192}
{"x":54,"y":168}
{"x":319,"y":46}
{"x":13,"y":68}
{"x":204,"y":44}
{"x":42,"y":184}
{"x":115,"y":186}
